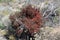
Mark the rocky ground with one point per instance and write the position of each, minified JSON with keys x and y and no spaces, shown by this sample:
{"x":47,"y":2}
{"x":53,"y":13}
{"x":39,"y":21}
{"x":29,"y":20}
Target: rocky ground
{"x":48,"y":32}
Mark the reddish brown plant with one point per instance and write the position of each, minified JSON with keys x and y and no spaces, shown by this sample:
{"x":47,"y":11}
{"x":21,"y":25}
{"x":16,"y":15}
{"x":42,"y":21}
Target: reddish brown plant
{"x":31,"y":17}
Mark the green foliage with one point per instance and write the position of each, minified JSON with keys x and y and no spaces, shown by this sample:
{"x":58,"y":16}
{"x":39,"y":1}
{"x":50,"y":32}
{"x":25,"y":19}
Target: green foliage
{"x":2,"y":26}
{"x":0,"y":0}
